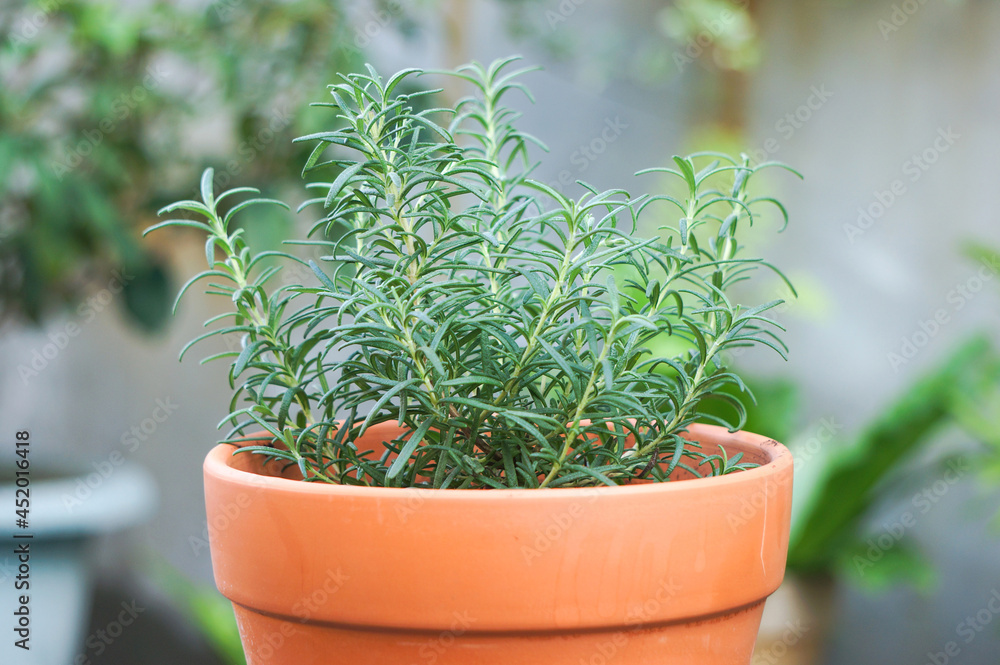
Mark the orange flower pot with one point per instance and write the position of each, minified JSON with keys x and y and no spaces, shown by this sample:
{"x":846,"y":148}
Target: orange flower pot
{"x":634,"y":575}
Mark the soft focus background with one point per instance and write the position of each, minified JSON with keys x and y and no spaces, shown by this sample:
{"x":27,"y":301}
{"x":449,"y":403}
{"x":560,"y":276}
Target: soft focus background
{"x":891,"y":110}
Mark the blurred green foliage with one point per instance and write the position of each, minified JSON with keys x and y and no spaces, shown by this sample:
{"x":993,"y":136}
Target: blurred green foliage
{"x":979,"y":411}
{"x":725,"y":29}
{"x":108,"y":110}
{"x":828,"y":535}
{"x":841,"y":481}
{"x":207,"y":609}
{"x":840,"y":484}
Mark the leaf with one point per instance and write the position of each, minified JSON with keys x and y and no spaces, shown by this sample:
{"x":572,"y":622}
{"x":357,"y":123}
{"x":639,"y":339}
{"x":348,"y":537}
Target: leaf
{"x":192,"y":206}
{"x":342,"y":179}
{"x":568,"y":372}
{"x":383,"y":400}
{"x":286,"y":403}
{"x":699,"y":338}
{"x":201,"y":226}
{"x":250,"y":202}
{"x":537,"y":285}
{"x":246,"y":356}
{"x":687,"y":172}
{"x":322,"y":276}
{"x":416,"y":438}
{"x":593,"y":473}
{"x":207,"y":194}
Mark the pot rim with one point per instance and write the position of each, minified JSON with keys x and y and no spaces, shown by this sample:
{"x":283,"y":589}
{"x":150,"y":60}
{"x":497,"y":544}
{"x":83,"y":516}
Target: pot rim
{"x":219,"y":464}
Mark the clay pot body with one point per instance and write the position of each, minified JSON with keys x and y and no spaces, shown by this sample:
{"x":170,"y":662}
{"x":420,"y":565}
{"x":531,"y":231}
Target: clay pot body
{"x":647,"y":573}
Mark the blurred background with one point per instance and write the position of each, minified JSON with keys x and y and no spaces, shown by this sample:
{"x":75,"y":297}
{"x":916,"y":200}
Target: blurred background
{"x":890,"y":398}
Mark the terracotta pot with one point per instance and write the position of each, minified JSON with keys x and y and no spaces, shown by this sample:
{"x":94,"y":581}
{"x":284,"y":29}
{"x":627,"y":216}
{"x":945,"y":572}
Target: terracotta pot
{"x":635,"y":575}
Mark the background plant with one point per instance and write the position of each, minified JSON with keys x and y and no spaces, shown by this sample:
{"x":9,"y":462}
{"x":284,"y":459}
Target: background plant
{"x":849,"y":481}
{"x":92,"y":142}
{"x":502,"y":325}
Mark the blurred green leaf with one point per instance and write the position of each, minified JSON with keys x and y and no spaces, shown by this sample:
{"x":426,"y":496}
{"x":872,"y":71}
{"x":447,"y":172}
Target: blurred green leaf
{"x":148,"y":295}
{"x":209,"y":611}
{"x":849,"y":486}
{"x":875,"y":568}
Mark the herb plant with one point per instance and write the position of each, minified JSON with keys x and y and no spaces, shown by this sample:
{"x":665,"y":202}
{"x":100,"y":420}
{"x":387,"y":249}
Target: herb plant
{"x":505,"y":326}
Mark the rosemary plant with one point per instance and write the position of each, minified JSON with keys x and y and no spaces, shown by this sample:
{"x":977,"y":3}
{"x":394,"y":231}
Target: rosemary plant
{"x":504,"y":326}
